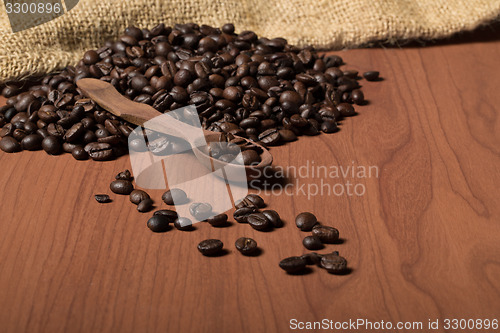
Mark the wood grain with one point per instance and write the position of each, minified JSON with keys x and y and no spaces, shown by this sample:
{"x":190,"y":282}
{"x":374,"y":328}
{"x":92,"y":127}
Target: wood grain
{"x":423,"y":242}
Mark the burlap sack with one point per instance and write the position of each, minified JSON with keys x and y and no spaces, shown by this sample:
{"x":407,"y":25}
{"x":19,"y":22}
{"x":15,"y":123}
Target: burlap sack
{"x":322,"y":23}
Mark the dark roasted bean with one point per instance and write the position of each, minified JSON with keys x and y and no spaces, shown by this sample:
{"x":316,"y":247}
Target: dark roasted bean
{"x":174,"y":196}
{"x":121,"y":186}
{"x":325,"y":233}
{"x":102,"y":198}
{"x":312,"y":243}
{"x":136,"y":196}
{"x":246,"y":246}
{"x":210,"y":247}
{"x":306,"y":221}
{"x":293,"y":265}
{"x":334,"y":263}
{"x":218,"y":220}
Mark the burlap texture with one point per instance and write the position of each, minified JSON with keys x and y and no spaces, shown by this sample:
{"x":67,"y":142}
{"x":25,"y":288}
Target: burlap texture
{"x":323,"y":23}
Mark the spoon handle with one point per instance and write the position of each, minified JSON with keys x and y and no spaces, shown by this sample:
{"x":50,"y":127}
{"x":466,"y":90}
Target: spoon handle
{"x":104,"y":94}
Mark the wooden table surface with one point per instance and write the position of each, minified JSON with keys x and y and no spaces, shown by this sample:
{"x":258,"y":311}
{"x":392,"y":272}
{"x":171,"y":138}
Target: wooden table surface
{"x":423,"y":242}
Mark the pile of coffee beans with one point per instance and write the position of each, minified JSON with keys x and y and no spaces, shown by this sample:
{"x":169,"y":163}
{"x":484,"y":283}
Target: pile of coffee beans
{"x":263,"y":89}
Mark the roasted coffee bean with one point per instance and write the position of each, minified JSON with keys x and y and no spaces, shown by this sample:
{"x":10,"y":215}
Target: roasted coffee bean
{"x":32,"y":142}
{"x":200,"y":210}
{"x":218,"y":220}
{"x":312,"y":258}
{"x":293,"y":265}
{"x":51,"y":145}
{"x":124,"y":175}
{"x":305,"y":221}
{"x":273,"y":217}
{"x":247,"y":157}
{"x":241,"y":214}
{"x":170,"y":214}
{"x":357,"y":96}
{"x":10,"y":145}
{"x":312,"y":243}
{"x":74,"y":133}
{"x":183,"y":223}
{"x":287,"y":135}
{"x":325,"y":233}
{"x":102,"y":198}
{"x":145,"y":205}
{"x":175,"y":196}
{"x":270,"y":136}
{"x":210,"y":247}
{"x":251,"y":200}
{"x":259,"y":221}
{"x":246,"y":246}
{"x":121,"y":186}
{"x":346,"y":109}
{"x":329,"y":126}
{"x":136,"y":196}
{"x":334,"y":263}
{"x":158,"y":223}
{"x":7,"y":130}
{"x":99,"y":151}
{"x":79,"y":153}
{"x":371,"y":75}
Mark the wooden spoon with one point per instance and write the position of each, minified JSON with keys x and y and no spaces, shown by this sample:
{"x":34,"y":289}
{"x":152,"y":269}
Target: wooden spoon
{"x":104,"y":94}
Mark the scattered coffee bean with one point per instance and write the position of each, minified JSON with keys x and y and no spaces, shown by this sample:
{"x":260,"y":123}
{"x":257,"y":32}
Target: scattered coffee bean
{"x":258,"y":221}
{"x":371,"y":75}
{"x":124,"y":175}
{"x":326,"y":234}
{"x":218,"y":220}
{"x":251,"y":200}
{"x":121,"y":186}
{"x":159,"y":223}
{"x":174,"y":196}
{"x":241,"y":214}
{"x":293,"y":264}
{"x":171,"y":215}
{"x":305,"y":221}
{"x":334,"y":263}
{"x":210,"y":247}
{"x":200,"y":210}
{"x":136,"y":196}
{"x":183,"y":224}
{"x":312,"y":258}
{"x":102,"y":198}
{"x":273,"y":218}
{"x":145,"y":205}
{"x":246,"y":246}
{"x":312,"y":243}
